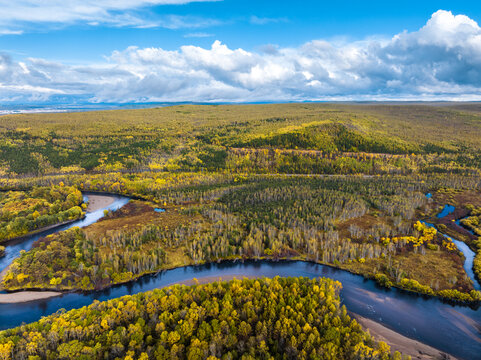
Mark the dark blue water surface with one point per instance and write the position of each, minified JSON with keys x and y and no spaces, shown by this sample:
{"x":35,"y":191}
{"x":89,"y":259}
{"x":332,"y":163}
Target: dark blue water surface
{"x":448,"y":209}
{"x":452,"y":329}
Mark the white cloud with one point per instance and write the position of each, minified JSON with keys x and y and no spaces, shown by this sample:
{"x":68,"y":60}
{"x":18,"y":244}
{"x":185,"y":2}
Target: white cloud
{"x":185,"y":22}
{"x":440,"y":61}
{"x":198,"y":35}
{"x":10,"y":32}
{"x":18,"y":15}
{"x":265,"y":20}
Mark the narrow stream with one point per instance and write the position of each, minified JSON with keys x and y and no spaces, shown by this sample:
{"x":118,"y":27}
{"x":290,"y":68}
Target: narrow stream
{"x":468,"y":254}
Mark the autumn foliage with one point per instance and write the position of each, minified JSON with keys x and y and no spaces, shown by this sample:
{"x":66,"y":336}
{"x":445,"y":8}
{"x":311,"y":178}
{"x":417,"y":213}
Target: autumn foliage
{"x":280,"y":318}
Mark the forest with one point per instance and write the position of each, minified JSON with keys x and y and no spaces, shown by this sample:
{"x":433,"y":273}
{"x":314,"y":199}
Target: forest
{"x":279,"y":318}
{"x":282,"y":138}
{"x":366,"y":225}
{"x":22,"y":212}
{"x":353,"y":187}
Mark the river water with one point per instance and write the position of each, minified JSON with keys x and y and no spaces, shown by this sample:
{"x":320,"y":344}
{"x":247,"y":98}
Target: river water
{"x":451,"y":328}
{"x":14,"y":247}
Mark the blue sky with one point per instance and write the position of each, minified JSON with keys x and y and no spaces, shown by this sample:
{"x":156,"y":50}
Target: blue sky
{"x":238,"y":50}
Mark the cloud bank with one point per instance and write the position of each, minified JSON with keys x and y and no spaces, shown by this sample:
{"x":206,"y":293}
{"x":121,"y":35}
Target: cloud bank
{"x":442,"y":60}
{"x":17,"y":15}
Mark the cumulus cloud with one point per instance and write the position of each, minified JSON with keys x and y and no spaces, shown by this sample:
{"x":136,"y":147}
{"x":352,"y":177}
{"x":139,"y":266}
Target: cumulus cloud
{"x":17,"y":15}
{"x":442,"y":60}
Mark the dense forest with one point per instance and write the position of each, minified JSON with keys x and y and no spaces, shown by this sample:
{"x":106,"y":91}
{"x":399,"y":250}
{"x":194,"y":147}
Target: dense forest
{"x":22,"y":212}
{"x":283,"y":138}
{"x":280,"y":318}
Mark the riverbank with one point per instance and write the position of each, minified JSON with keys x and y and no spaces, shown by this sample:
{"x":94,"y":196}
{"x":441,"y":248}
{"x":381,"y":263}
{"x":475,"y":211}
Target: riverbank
{"x":26,"y":296}
{"x":97,"y":202}
{"x":209,"y":279}
{"x":398,"y":342}
{"x":23,"y":296}
{"x":38,"y":231}
{"x":443,"y":297}
{"x":429,"y":321}
{"x":2,"y":274}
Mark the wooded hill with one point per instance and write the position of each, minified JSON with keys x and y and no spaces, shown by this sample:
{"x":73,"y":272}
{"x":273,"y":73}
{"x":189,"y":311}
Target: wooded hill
{"x":373,"y":139}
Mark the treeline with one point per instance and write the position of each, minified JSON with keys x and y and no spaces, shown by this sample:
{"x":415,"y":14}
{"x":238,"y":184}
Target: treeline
{"x":473,"y":221}
{"x":477,"y":259}
{"x":22,"y":212}
{"x":295,"y":161}
{"x":280,"y":318}
{"x":190,"y":187}
{"x":276,"y":161}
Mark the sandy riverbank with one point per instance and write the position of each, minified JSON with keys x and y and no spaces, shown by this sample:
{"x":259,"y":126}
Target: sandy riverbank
{"x":97,"y":202}
{"x":26,"y":296}
{"x":398,"y":342}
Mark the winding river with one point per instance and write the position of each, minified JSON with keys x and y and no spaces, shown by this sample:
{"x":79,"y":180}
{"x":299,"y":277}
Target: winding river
{"x":452,"y":329}
{"x":14,"y":247}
